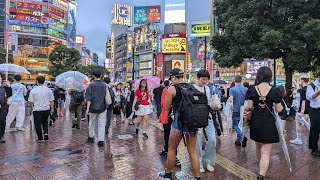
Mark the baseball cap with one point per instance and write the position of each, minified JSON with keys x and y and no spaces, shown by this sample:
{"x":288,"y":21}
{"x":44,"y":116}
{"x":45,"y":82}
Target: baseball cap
{"x":176,"y":72}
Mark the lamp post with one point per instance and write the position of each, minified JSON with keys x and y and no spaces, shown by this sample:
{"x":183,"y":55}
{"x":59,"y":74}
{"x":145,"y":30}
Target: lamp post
{"x":7,"y":57}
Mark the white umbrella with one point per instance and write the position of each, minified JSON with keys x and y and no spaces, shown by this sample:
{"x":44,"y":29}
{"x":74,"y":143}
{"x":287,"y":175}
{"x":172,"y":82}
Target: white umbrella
{"x":72,"y":80}
{"x":13,"y":69}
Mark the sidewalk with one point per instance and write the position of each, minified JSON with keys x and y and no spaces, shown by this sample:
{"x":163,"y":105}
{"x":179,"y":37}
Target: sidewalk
{"x":67,"y":156}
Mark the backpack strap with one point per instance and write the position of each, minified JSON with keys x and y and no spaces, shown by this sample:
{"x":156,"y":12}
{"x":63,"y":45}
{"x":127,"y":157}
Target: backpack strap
{"x":313,"y":86}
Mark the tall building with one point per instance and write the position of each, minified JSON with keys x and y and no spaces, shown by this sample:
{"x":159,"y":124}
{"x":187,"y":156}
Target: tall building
{"x":3,"y":23}
{"x":95,"y":58}
{"x":36,"y":27}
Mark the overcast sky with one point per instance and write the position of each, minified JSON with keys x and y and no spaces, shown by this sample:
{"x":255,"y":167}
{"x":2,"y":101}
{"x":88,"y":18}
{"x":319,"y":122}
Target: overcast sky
{"x":94,"y":16}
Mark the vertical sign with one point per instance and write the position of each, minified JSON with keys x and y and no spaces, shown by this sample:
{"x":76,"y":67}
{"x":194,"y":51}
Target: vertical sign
{"x":122,"y":15}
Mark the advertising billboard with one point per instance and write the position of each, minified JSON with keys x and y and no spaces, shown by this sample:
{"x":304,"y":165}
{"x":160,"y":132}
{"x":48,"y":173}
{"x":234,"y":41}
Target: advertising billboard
{"x":174,"y":43}
{"x":253,"y":66}
{"x":140,"y":14}
{"x":178,"y":64}
{"x":122,"y":14}
{"x":28,"y":6}
{"x":72,"y":25}
{"x":129,"y":43}
{"x":143,"y":14}
{"x":200,"y":28}
{"x":175,"y":11}
{"x":80,"y":39}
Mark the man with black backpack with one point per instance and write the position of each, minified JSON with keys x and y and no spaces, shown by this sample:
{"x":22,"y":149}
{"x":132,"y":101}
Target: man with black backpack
{"x":191,"y":111}
{"x":209,"y":156}
{"x":75,"y":107}
{"x":107,"y":80}
{"x":96,"y":107}
{"x":313,"y":95}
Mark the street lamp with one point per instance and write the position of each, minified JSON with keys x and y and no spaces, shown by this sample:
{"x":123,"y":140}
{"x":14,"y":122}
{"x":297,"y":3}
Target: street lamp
{"x":7,"y":57}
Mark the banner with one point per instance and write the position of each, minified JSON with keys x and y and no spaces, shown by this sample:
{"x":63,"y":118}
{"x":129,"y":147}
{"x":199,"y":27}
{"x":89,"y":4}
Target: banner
{"x":175,"y":11}
{"x":122,"y":14}
{"x":144,"y":14}
{"x":174,"y":45}
{"x":154,"y":13}
{"x":178,"y":64}
{"x":29,"y":6}
{"x":200,"y":28}
{"x":140,"y":14}
{"x":80,"y":39}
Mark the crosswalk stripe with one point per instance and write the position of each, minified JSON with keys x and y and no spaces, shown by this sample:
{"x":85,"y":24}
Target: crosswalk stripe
{"x":230,"y":166}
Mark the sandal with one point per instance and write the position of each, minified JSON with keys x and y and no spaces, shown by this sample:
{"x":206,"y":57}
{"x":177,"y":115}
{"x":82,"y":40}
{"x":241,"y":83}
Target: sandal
{"x":178,"y":163}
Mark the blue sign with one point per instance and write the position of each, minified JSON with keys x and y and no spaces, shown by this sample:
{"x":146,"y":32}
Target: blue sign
{"x":16,"y":22}
{"x":140,"y":14}
{"x":123,"y":12}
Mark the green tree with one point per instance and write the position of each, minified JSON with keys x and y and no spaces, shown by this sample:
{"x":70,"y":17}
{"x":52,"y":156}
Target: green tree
{"x":87,"y":70}
{"x":63,"y":59}
{"x":273,"y":29}
{"x":3,"y":53}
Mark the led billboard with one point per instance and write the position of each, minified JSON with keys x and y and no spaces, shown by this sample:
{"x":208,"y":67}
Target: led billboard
{"x":175,"y":11}
{"x":143,"y":14}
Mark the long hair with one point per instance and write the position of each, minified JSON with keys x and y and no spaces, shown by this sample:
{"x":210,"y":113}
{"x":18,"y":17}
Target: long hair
{"x":119,"y":84}
{"x":141,"y":82}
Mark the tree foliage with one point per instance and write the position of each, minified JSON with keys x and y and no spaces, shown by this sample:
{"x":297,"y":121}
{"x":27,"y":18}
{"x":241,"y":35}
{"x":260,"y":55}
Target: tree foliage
{"x":63,"y":59}
{"x":3,"y":53}
{"x":287,"y":29}
{"x":87,"y":70}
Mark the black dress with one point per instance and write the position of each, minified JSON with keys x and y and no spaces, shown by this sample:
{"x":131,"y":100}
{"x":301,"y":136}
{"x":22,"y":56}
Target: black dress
{"x":262,"y":123}
{"x":129,"y":105}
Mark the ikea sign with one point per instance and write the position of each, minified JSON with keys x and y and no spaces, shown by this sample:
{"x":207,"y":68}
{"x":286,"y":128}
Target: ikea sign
{"x":200,"y":28}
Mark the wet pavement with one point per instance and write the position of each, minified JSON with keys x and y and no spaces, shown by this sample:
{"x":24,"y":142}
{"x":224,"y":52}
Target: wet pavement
{"x":67,"y":155}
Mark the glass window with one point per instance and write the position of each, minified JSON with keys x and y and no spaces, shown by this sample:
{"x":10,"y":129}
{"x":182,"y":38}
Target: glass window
{"x":145,"y":65}
{"x":36,"y":42}
{"x":25,"y":29}
{"x":1,"y":23}
{"x":144,"y":73}
{"x":16,"y":28}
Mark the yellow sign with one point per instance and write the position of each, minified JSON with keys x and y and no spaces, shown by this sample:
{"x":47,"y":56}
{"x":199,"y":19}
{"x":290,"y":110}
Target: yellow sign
{"x":200,"y":28}
{"x":174,"y":45}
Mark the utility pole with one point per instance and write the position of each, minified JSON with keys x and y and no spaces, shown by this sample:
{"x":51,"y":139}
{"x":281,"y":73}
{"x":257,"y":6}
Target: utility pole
{"x":205,"y":52}
{"x":133,"y":61}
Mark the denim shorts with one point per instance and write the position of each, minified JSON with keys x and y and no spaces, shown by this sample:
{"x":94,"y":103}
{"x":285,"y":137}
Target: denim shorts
{"x":178,"y":126}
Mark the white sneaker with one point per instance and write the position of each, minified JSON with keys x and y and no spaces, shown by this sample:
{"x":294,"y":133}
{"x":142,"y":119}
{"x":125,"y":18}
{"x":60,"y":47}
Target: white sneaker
{"x":210,"y":168}
{"x":296,"y":141}
{"x":202,"y":170}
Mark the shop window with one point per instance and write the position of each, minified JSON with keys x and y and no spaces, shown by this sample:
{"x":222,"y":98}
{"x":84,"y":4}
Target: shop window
{"x":16,"y":28}
{"x":144,"y":73}
{"x":25,"y":29}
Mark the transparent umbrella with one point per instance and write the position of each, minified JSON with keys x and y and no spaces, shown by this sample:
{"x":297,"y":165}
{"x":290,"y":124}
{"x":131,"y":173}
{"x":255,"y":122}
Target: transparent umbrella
{"x":13,"y":69}
{"x":72,"y":80}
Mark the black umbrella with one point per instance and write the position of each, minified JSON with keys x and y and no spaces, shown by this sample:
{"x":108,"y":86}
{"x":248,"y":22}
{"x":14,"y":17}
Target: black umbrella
{"x":219,"y":82}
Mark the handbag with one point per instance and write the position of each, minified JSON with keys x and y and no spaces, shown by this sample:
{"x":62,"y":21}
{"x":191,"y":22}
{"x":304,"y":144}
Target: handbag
{"x":215,"y":102}
{"x":9,"y":99}
{"x":137,"y":105}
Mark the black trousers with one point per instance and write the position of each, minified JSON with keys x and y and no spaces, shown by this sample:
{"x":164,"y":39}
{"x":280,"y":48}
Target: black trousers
{"x":167,"y":129}
{"x":3,"y":116}
{"x":41,"y":122}
{"x":314,"y":129}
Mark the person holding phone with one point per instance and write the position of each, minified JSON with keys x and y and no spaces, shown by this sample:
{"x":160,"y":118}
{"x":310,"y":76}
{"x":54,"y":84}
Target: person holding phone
{"x":5,"y":93}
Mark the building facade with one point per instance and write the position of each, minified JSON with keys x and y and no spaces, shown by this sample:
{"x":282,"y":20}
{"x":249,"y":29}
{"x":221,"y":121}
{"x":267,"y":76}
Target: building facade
{"x":36,"y":27}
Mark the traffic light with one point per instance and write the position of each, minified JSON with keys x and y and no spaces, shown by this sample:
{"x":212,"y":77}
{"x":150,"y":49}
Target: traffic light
{"x":217,"y":74}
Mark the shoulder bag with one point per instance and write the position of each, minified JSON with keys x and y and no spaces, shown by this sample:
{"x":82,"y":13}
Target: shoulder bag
{"x":9,"y":99}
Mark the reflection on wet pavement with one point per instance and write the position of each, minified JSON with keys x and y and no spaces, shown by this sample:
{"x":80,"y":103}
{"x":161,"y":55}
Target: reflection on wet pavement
{"x":67,"y":155}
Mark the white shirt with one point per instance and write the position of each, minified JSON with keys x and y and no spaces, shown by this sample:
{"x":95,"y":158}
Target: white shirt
{"x":201,"y":89}
{"x":314,"y":103}
{"x":41,"y":96}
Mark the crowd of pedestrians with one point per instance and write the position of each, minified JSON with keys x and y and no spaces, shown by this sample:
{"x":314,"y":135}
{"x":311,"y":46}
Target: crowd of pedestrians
{"x":193,"y":112}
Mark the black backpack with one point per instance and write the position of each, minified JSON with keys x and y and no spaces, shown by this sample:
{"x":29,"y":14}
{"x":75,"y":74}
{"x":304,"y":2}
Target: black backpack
{"x":78,"y":97}
{"x":112,"y":96}
{"x":3,"y":96}
{"x":193,"y":109}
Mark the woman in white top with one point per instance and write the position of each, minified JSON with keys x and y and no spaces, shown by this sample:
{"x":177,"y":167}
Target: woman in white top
{"x":119,"y":100}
